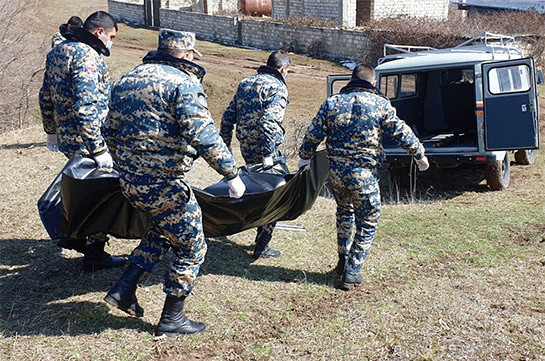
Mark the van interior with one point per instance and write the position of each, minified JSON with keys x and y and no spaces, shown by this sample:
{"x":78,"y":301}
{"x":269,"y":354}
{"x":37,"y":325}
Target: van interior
{"x":439,"y":105}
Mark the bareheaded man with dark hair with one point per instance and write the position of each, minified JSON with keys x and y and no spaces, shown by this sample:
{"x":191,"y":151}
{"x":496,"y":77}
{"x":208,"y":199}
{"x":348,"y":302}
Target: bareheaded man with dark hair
{"x":353,"y":123}
{"x":257,"y":110}
{"x":74,"y":103}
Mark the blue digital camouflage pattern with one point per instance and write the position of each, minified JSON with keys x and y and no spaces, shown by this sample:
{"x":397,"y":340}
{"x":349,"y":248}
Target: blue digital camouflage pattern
{"x":177,"y":40}
{"x":74,"y":98}
{"x":354,"y":122}
{"x":177,"y":224}
{"x":257,"y":110}
{"x":56,"y":39}
{"x":159,"y":121}
{"x":359,"y":205}
{"x":158,"y":124}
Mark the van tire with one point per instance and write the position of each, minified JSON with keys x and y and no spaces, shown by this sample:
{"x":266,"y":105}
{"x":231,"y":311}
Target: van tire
{"x":525,"y":156}
{"x":497,"y":174}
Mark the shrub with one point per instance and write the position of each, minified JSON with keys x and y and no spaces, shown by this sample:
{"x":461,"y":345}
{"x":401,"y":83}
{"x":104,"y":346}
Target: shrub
{"x":22,"y":59}
{"x":529,"y":27}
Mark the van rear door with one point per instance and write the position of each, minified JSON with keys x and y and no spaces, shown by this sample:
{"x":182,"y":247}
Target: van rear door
{"x":511,"y":119}
{"x":336,"y":82}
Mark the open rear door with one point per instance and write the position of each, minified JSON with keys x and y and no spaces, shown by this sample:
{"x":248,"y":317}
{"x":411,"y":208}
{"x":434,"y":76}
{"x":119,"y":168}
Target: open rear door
{"x":511,"y":118}
{"x":336,"y":82}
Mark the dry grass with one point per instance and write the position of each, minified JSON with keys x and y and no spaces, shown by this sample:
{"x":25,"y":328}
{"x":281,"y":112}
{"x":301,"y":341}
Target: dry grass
{"x":456,"y":276}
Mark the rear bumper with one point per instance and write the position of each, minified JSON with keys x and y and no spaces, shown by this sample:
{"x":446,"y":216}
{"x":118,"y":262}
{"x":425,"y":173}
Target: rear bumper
{"x":445,"y":160}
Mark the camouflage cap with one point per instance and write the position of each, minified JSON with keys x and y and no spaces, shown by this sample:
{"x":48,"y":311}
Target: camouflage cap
{"x":177,"y":40}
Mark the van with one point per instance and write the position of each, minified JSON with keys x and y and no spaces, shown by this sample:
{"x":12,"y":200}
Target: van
{"x":471,"y":104}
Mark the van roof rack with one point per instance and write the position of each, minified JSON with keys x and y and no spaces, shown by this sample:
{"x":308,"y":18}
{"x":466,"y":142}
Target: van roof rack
{"x":489,"y":39}
{"x":484,"y":42}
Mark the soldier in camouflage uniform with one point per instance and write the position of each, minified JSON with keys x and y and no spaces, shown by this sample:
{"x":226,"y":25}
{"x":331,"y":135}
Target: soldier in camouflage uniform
{"x":74,"y":103}
{"x":354,"y":122}
{"x":57,"y":38}
{"x":257,"y":110}
{"x":158,"y":124}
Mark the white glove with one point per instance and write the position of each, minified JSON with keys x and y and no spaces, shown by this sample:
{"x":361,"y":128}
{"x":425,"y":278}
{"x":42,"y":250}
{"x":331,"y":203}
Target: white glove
{"x":104,"y":160}
{"x":423,"y":164}
{"x":236,"y":187}
{"x":52,"y":143}
{"x":304,"y":163}
{"x":268,"y":162}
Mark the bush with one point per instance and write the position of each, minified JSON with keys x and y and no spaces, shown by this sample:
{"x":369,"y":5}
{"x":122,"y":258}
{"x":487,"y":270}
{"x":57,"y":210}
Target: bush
{"x":529,"y":27}
{"x":22,"y":59}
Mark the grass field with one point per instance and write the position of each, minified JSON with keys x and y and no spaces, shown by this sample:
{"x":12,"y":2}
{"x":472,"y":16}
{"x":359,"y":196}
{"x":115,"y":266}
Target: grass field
{"x":456,"y":275}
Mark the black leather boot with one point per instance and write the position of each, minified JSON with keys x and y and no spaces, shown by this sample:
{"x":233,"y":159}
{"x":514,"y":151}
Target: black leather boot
{"x":173,"y":320}
{"x":262,"y":240}
{"x":261,"y":251}
{"x":123,"y":294}
{"x":351,"y":281}
{"x":77,"y":244}
{"x":95,"y":258}
{"x":341,"y":264}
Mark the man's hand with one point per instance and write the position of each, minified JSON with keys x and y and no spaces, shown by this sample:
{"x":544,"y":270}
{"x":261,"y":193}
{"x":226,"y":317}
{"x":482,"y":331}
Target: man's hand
{"x":268,"y":162}
{"x":52,"y":143}
{"x":236,"y":187}
{"x":304,"y":163}
{"x":423,"y":163}
{"x":104,"y":160}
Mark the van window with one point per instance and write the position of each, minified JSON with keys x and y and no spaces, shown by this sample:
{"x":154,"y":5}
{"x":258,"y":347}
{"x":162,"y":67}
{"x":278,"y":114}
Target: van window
{"x":408,"y":85}
{"x":388,"y":85}
{"x":337,"y":85}
{"x":509,"y":79}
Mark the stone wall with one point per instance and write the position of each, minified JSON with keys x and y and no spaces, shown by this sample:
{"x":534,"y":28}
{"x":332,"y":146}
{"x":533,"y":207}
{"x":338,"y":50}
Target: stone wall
{"x":335,"y":44}
{"x":214,"y":6}
{"x":130,"y":12}
{"x":177,"y":4}
{"x":221,"y":29}
{"x":433,"y":9}
{"x":326,"y":43}
{"x":344,"y":11}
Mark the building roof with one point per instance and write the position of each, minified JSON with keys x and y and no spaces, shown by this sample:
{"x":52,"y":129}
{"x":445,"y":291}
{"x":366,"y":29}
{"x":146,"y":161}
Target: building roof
{"x":520,"y":5}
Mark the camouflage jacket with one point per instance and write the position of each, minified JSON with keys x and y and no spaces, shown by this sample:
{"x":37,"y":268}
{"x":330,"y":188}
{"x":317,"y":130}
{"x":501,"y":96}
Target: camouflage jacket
{"x":56,"y":39}
{"x":75,"y":93}
{"x":159,"y":121}
{"x":354,"y":122}
{"x":257,"y":110}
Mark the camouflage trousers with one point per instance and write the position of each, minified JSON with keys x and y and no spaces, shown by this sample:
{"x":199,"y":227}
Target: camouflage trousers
{"x":357,"y":196}
{"x":251,"y":156}
{"x":177,"y":225}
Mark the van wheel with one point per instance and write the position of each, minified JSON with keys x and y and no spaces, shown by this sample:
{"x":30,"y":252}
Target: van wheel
{"x":497,"y":174}
{"x":525,"y":156}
